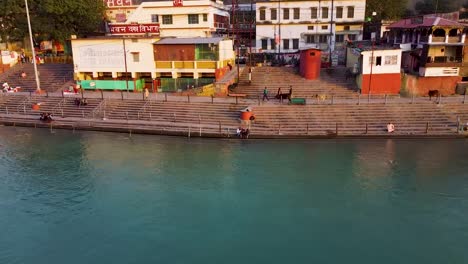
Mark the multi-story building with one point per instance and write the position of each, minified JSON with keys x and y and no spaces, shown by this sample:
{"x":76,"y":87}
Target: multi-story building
{"x":168,"y":64}
{"x":434,"y":52}
{"x":194,"y":18}
{"x":242,"y":27}
{"x":287,"y":26}
{"x":119,"y":10}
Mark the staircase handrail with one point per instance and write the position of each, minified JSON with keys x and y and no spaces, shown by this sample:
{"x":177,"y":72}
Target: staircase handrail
{"x":97,"y":111}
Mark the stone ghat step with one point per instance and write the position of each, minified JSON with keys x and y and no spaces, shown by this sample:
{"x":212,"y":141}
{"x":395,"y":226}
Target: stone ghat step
{"x":211,"y":130}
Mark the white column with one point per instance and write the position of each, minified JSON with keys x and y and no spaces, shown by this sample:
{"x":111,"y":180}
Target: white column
{"x":430,"y":39}
{"x":463,"y":38}
{"x":95,"y":74}
{"x":447,"y":38}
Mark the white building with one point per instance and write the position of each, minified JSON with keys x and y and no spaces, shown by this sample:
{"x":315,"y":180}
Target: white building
{"x":193,"y":18}
{"x":300,"y":24}
{"x":119,"y":10}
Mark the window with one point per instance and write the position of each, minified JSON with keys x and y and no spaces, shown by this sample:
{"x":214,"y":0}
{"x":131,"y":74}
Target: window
{"x":346,"y":28}
{"x":339,"y":38}
{"x":286,"y":44}
{"x":296,"y":13}
{"x":193,"y":18}
{"x":323,"y":39}
{"x":378,"y":61}
{"x":350,"y":11}
{"x":136,"y":57}
{"x":154,"y":18}
{"x":295,"y":43}
{"x":310,"y":27}
{"x":264,"y":44}
{"x":324,"y":12}
{"x":167,"y":19}
{"x":339,"y":12}
{"x":274,"y":14}
{"x":313,"y":12}
{"x":310,"y":39}
{"x":391,"y":60}
{"x":262,"y":14}
{"x":205,"y":17}
{"x":325,"y":27}
{"x":285,"y":13}
{"x":134,"y":40}
{"x":273,"y":44}
{"x":352,"y":37}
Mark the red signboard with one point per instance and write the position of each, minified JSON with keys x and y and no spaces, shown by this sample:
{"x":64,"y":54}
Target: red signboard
{"x":122,"y":29}
{"x":177,"y":3}
{"x":117,"y":3}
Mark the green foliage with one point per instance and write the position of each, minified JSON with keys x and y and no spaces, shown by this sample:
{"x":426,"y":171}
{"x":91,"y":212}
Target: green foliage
{"x":393,"y":9}
{"x":440,"y":6}
{"x":50,"y":19}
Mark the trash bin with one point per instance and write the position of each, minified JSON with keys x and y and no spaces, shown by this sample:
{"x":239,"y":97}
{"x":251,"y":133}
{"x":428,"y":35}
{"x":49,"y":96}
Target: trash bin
{"x":461,"y":88}
{"x":246,"y":115}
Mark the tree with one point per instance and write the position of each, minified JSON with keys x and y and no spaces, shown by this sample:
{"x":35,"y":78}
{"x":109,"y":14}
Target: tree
{"x":50,"y":19}
{"x":437,"y":6}
{"x":393,"y":9}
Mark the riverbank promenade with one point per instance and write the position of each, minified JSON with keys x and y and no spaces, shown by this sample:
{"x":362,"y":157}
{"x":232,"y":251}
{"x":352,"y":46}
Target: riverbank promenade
{"x":333,"y":108}
{"x":192,"y":116}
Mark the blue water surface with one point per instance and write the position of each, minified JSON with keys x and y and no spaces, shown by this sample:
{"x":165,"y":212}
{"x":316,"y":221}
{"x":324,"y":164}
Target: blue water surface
{"x":110,"y":198}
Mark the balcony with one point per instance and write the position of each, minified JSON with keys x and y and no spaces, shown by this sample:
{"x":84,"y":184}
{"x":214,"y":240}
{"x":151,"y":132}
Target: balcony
{"x":186,"y":65}
{"x":438,"y":39}
{"x":444,"y":61}
{"x":455,"y":39}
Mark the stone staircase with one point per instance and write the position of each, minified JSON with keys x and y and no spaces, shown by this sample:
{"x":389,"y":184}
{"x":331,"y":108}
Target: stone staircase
{"x":176,"y":112}
{"x":333,"y":83}
{"x":53,"y":77}
{"x":272,"y":120}
{"x":57,"y":106}
{"x":322,"y":120}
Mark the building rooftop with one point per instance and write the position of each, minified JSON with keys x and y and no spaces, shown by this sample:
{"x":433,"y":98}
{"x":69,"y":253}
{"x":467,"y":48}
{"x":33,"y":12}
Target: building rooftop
{"x":425,"y":22}
{"x":197,"y":40}
{"x":366,"y":45}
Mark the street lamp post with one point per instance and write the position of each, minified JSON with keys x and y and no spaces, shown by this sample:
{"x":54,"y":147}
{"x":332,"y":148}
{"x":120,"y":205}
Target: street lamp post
{"x":125,"y":64}
{"x":38,"y":84}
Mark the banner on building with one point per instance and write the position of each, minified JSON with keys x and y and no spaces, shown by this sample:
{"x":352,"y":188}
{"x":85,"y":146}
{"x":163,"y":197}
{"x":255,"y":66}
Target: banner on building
{"x":117,"y":3}
{"x":123,"y":29}
{"x":177,"y":3}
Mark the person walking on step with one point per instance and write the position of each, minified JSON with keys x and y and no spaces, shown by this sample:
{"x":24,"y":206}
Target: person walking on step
{"x":265,"y":94}
{"x":146,"y":93}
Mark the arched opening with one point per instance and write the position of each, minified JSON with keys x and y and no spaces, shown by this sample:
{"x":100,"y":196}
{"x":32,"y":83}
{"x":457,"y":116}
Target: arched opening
{"x":439,"y":33}
{"x":453,"y":32}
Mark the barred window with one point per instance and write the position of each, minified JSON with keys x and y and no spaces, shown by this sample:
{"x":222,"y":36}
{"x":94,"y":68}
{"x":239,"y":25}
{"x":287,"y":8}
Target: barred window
{"x":193,"y":19}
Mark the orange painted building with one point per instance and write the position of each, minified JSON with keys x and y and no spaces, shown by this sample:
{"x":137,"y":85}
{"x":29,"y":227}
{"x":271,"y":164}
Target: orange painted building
{"x":377,"y":68}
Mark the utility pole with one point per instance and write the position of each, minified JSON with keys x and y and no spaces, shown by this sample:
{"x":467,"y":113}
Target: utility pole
{"x":331,"y":31}
{"x":235,"y":38}
{"x":371,"y":66}
{"x":279,"y":29}
{"x":38,"y":83}
{"x":252,"y":19}
{"x":125,"y":63}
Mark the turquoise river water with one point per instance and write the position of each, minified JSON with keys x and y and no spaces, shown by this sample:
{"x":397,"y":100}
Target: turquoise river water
{"x":109,"y":198}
